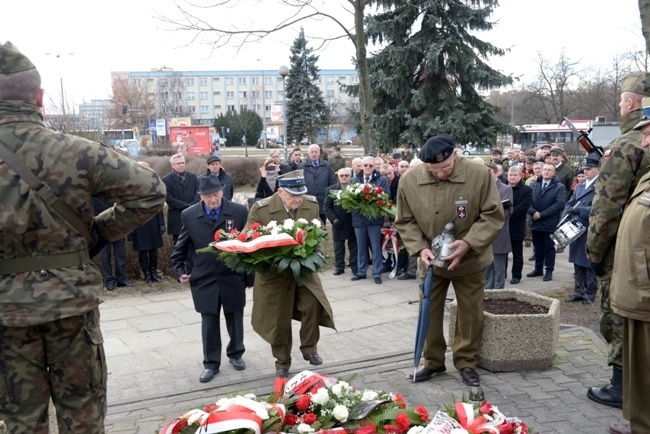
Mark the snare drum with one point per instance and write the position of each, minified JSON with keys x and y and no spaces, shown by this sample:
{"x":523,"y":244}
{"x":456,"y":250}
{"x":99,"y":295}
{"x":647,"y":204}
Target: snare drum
{"x":568,"y":232}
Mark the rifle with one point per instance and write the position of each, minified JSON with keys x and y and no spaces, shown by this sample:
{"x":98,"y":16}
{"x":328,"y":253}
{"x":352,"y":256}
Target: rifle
{"x":584,"y":140}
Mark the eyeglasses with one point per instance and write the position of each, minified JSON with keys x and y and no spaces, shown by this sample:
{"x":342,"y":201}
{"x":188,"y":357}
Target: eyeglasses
{"x":344,"y":176}
{"x":368,"y":165}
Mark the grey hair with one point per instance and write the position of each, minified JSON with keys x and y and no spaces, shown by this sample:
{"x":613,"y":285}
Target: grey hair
{"x":176,"y":156}
{"x":515,"y":169}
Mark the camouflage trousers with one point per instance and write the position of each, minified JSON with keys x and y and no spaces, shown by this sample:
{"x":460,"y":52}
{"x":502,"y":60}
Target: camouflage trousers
{"x":64,"y":360}
{"x":611,"y":324}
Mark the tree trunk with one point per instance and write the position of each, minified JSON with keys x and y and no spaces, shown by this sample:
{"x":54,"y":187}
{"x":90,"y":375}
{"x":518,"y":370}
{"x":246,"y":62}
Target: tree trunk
{"x":366,"y":101}
{"x":644,"y":10}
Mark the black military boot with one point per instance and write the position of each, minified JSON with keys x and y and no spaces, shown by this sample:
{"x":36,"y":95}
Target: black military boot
{"x":153,"y":268}
{"x":610,"y":394}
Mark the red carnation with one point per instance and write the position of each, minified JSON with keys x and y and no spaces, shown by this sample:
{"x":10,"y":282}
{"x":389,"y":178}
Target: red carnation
{"x":309,"y":418}
{"x":366,"y":429}
{"x":403,"y":421}
{"x":255,"y":226}
{"x":242,"y":237}
{"x":256,"y":235}
{"x":210,"y":408}
{"x":392,"y":429}
{"x":380,"y":203}
{"x":368,"y":197}
{"x":291,"y":419}
{"x":400,"y":399}
{"x":424,"y":414}
{"x":379,"y":190}
{"x":303,"y":402}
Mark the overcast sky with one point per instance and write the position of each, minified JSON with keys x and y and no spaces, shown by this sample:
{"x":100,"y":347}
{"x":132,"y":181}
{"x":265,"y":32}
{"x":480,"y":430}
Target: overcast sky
{"x":92,"y":39}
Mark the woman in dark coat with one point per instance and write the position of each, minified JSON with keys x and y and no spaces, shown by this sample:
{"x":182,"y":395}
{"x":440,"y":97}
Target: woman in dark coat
{"x":147,"y":239}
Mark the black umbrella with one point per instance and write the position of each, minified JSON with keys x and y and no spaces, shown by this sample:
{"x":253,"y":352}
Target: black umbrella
{"x":423,"y":317}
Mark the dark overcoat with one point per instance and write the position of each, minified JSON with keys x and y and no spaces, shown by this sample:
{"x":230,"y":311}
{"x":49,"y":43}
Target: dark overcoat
{"x":584,"y":196}
{"x":273,"y":291}
{"x":522,"y":197}
{"x":148,"y":236}
{"x":549,"y":203}
{"x":210,"y":280}
{"x":179,"y":197}
{"x":317,"y":179}
{"x":345,"y":230}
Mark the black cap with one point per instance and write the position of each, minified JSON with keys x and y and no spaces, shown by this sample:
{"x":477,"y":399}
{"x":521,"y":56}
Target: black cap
{"x":531,"y":160}
{"x":547,"y":146}
{"x":396,"y":155}
{"x":591,"y":160}
{"x":213,"y":158}
{"x":209,"y":184}
{"x":556,"y":150}
{"x":437,"y":149}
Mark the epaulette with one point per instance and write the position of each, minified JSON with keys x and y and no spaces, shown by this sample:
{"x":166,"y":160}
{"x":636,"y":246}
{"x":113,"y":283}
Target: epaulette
{"x":311,"y":198}
{"x":262,"y":202}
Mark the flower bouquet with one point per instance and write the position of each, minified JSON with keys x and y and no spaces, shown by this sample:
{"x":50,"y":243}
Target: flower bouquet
{"x":368,"y":200}
{"x":320,"y":404}
{"x":292,"y":246}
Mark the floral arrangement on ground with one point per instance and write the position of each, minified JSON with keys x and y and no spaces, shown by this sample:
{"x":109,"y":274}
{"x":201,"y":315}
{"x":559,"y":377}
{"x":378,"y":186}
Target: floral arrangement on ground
{"x":368,"y":200}
{"x":313,"y":403}
{"x":291,"y":246}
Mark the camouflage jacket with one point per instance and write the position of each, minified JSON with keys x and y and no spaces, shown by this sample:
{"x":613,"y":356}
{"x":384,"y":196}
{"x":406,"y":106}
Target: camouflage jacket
{"x":621,"y":168}
{"x":76,"y":170}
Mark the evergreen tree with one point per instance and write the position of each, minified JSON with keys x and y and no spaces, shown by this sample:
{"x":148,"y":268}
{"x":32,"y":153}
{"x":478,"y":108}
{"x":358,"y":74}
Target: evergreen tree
{"x":307,"y":113}
{"x":426,"y":79}
{"x":237,"y":125}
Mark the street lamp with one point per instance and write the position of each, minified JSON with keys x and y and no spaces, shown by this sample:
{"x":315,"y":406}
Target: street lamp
{"x":58,"y":56}
{"x":284,"y":71}
{"x":263,"y":107}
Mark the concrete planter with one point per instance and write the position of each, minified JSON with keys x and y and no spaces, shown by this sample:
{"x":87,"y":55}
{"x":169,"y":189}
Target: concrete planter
{"x":516,"y":342}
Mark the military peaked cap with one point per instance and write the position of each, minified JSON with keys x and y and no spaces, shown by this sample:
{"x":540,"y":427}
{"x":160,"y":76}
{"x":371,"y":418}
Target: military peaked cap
{"x":645,"y":114}
{"x":293,"y":182}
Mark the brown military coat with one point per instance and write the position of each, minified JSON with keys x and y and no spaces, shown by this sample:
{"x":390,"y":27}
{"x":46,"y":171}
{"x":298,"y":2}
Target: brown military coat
{"x":469,"y":198}
{"x":270,"y":311}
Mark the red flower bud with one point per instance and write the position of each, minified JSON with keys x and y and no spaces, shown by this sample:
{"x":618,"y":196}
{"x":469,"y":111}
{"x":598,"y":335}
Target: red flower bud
{"x":390,"y":205}
{"x":291,"y":419}
{"x":256,"y":235}
{"x":303,"y":402}
{"x":242,"y":237}
{"x":422,"y":411}
{"x":380,"y":203}
{"x":255,"y":226}
{"x":309,"y":418}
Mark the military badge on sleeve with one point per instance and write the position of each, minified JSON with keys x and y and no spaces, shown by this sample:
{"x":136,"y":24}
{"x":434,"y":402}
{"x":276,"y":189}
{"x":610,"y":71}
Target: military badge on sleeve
{"x":230,"y":225}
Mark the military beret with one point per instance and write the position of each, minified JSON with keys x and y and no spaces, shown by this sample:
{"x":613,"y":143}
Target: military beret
{"x":637,"y":82}
{"x":437,"y":149}
{"x":645,"y":114}
{"x":12,"y":60}
{"x":531,"y":160}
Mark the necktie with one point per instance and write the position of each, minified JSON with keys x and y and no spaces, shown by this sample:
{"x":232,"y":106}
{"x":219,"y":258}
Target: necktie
{"x":366,"y":180}
{"x":544,"y":185}
{"x":182,"y":179}
{"x":213,"y":214}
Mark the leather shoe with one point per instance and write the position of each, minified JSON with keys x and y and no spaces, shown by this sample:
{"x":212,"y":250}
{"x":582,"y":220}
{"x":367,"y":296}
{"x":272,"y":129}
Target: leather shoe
{"x":282,"y":373}
{"x":574,"y":298}
{"x":619,"y":428}
{"x":314,"y":359}
{"x":535,"y":273}
{"x":547,"y":276}
{"x":125,"y":284}
{"x":238,"y":363}
{"x":208,"y":374}
{"x":358,"y":277}
{"x":470,"y":377}
{"x":423,"y":373}
{"x":110,"y":286}
{"x":514,"y":281}
{"x":378,"y":280}
{"x":338,"y":272}
{"x":406,"y":276}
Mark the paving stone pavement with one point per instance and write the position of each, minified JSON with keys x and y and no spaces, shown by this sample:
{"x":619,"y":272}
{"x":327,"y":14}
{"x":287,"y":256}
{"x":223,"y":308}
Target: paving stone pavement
{"x":154,"y":355}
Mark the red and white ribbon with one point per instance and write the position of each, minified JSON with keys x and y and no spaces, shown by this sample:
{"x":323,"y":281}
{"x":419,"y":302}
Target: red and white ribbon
{"x":389,"y":235}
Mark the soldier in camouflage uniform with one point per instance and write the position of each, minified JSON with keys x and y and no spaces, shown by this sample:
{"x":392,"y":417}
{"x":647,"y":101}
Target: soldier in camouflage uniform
{"x":51,"y":345}
{"x":621,"y":168}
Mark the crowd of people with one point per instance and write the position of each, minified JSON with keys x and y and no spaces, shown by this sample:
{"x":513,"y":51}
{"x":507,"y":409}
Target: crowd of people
{"x":49,"y":288}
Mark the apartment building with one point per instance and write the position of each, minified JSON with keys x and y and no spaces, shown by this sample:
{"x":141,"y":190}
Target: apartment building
{"x":203,"y":95}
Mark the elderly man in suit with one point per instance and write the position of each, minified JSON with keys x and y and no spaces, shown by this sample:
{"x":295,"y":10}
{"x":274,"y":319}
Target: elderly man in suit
{"x":522,"y":197}
{"x":579,"y":205}
{"x":318,"y":176}
{"x":495,"y":274}
{"x":342,"y":229}
{"x":213,"y":284}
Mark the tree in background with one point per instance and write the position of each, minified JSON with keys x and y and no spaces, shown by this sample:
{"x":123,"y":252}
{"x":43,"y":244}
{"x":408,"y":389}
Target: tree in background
{"x":236,"y":126}
{"x":427,"y":77}
{"x":306,"y":109}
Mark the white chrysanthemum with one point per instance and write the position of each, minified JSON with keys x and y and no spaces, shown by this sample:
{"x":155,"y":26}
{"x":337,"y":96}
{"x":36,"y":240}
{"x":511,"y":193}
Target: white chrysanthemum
{"x":358,"y":189}
{"x":276,"y":230}
{"x":302,"y":221}
{"x":251,"y":396}
{"x":415,"y":430}
{"x":272,"y":224}
{"x":316,"y":222}
{"x":262,"y":413}
{"x":369,"y":395}
{"x":304,"y":428}
{"x":288,"y":224}
{"x":341,"y":388}
{"x":340,"y":413}
{"x":321,"y":396}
